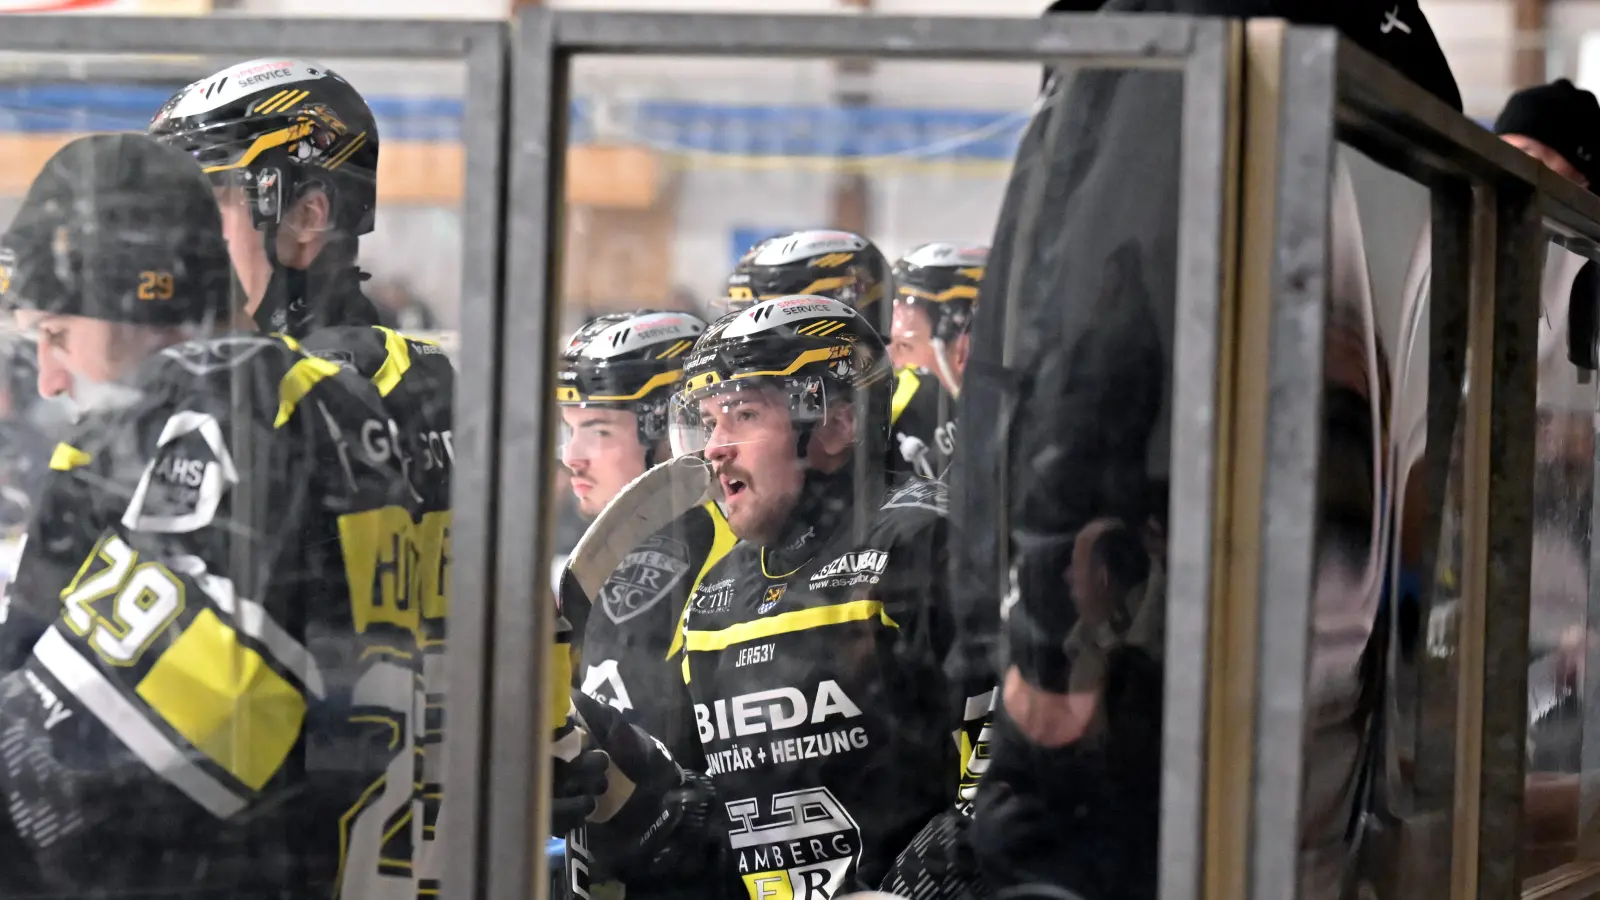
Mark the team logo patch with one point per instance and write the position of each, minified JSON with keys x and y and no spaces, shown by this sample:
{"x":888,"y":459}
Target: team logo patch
{"x":645,"y":576}
{"x":771,"y":598}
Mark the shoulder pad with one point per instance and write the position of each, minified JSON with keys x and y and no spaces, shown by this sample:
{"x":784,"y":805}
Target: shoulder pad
{"x":919,"y":493}
{"x":359,"y":348}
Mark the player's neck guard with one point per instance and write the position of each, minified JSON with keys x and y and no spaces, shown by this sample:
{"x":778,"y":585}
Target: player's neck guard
{"x":328,"y":293}
{"x":827,"y":502}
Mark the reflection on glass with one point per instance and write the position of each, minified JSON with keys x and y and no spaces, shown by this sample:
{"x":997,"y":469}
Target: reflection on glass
{"x":1374,"y":673}
{"x":1559,"y":593}
{"x":222,"y":638}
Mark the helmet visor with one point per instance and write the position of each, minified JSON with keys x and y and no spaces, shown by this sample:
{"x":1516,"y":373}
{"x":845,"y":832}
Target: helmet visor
{"x":746,"y":411}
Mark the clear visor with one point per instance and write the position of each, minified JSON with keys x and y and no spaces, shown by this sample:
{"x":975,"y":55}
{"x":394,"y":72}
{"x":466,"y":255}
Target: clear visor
{"x":743,"y":412}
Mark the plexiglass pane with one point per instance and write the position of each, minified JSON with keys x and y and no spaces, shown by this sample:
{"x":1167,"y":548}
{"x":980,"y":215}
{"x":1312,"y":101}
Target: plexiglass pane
{"x":223,"y":637}
{"x":811,"y":625}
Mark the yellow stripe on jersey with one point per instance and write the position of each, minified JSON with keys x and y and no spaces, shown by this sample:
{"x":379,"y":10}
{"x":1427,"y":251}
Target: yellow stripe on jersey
{"x":905,"y":388}
{"x":67,"y":457}
{"x":395,"y":364}
{"x":558,"y":685}
{"x":785,"y":623}
{"x":222,"y":697}
{"x":722,"y":541}
{"x":298,"y":382}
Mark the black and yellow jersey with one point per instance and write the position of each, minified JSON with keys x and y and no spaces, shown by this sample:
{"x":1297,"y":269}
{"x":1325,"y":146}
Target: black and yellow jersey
{"x":631,"y":661}
{"x":223,"y":601}
{"x":633,"y":639}
{"x":819,"y":695}
{"x":922,"y":432}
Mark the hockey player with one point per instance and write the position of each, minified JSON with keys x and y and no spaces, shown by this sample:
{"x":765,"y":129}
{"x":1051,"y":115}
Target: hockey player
{"x":814,"y":646}
{"x":616,"y":383}
{"x":843,"y":266}
{"x":615,"y":393}
{"x":936,"y":291}
{"x":212,"y":644}
{"x":291,"y":151}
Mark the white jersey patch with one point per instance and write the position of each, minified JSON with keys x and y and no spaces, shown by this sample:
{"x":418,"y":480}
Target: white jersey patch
{"x":786,"y":311}
{"x":806,"y":244}
{"x":242,"y":80}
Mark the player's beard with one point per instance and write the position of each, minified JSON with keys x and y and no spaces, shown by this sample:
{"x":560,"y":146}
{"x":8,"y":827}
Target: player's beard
{"x":761,"y":511}
{"x":89,"y":395}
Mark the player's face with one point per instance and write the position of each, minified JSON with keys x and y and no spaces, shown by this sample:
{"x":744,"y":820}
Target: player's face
{"x":603,"y":453}
{"x":78,"y":354}
{"x":245,"y":248}
{"x":751,"y":445}
{"x":299,"y":238}
{"x":911,"y":339}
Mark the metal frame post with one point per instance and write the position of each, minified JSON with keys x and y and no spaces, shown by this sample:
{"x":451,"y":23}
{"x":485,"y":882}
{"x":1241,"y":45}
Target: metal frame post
{"x":547,"y":41}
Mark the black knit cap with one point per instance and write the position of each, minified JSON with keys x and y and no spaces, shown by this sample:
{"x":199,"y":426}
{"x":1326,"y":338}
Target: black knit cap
{"x":1395,"y":31}
{"x":119,"y":228}
{"x":1561,"y":116}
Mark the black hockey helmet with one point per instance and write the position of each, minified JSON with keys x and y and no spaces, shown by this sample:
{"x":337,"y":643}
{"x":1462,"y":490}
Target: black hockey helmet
{"x":738,"y":293}
{"x":942,"y":280}
{"x":817,"y":351}
{"x":629,"y":361}
{"x":839,"y":265}
{"x":278,"y":127}
{"x":118,"y":227}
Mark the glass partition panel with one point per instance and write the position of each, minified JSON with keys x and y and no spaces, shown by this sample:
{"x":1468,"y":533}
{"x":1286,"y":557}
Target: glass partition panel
{"x":790,"y":294}
{"x":229,"y":409}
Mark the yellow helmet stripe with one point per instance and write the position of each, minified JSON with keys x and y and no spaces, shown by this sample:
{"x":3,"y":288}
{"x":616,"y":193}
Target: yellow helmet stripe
{"x":345,"y":154}
{"x":263,"y":144}
{"x":266,"y":104}
{"x":959,"y":292}
{"x":659,"y":380}
{"x":819,"y":354}
{"x":282,"y":102}
{"x":825,"y":284}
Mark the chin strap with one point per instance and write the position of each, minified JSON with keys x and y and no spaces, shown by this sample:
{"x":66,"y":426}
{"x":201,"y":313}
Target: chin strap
{"x":946,"y":371}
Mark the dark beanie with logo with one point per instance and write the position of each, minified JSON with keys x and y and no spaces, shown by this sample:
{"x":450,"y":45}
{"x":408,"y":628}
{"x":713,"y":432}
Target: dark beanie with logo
{"x":1563,"y":117}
